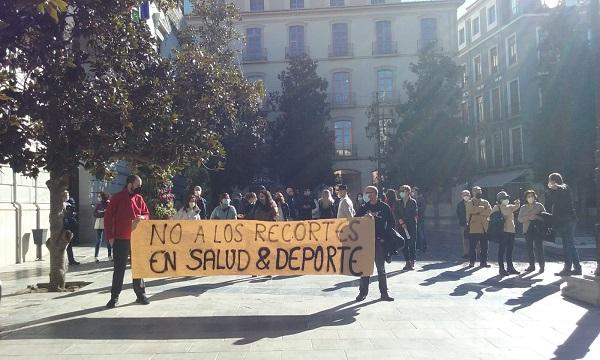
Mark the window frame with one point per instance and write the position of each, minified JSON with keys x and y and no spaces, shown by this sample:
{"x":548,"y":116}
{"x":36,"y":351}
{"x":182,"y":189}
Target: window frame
{"x":491,"y":25}
{"x":512,"y":147}
{"x":492,"y":107}
{"x":298,"y":4}
{"x":345,"y":147}
{"x":510,"y":104}
{"x":464,"y":37}
{"x":475,"y":78}
{"x":491,"y":67}
{"x":391,"y":78}
{"x":502,"y":162}
{"x":256,"y":10}
{"x":347,"y":91}
{"x":475,"y":36}
{"x":337,"y":3}
{"x":508,"y":57}
{"x":300,"y":50}
{"x":480,"y":109}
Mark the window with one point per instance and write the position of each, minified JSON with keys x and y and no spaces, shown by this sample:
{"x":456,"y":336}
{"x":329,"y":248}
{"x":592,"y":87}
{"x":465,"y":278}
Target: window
{"x":383,"y":30}
{"x":514,"y":7}
{"x":377,"y":2}
{"x":385,"y":83}
{"x":475,"y":27}
{"x":498,"y":150}
{"x":461,"y":36}
{"x":516,"y":145}
{"x":341,"y":88}
{"x":296,"y":4}
{"x":514,"y":105}
{"x":340,"y":39}
{"x":465,"y":76}
{"x":296,"y":40}
{"x":480,"y":109}
{"x":493,"y":60}
{"x":336,"y":2}
{"x":489,"y":150}
{"x":540,"y":99}
{"x":511,"y":50}
{"x":428,"y":32}
{"x":343,"y":138}
{"x":464,"y":111}
{"x":257,"y":5}
{"x":482,"y":154}
{"x":496,"y":104}
{"x":254,"y":51}
{"x":477,"y":68}
{"x":491,"y":15}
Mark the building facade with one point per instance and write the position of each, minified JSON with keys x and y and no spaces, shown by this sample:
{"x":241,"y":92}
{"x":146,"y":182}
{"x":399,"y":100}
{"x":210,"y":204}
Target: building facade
{"x":504,"y":65}
{"x":363,"y":49}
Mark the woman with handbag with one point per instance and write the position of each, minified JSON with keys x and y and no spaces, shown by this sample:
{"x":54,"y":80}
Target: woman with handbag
{"x":506,"y":232}
{"x":532,"y":220}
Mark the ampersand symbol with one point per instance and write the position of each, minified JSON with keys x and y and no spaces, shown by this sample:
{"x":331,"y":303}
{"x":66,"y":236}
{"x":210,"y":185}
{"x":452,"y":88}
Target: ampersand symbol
{"x":262,"y":263}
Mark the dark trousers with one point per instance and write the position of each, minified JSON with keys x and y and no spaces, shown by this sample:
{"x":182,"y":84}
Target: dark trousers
{"x":99,"y":238}
{"x":381,"y":276}
{"x":410,"y":247}
{"x":70,"y":252}
{"x":567,"y":233}
{"x":483,"y":244}
{"x":537,"y":242}
{"x":121,"y":249}
{"x":505,"y":250}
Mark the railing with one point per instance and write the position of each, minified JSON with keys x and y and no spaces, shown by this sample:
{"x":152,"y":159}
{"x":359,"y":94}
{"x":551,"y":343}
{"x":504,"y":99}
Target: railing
{"x":387,"y":97}
{"x":345,"y":152}
{"x":342,"y":99}
{"x":291,"y":52}
{"x":385,"y":48}
{"x":434,"y":45}
{"x":341,"y":50}
{"x":254,"y":54}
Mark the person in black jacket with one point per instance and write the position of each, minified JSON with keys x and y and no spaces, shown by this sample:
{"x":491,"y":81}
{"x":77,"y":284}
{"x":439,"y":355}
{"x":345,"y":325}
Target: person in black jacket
{"x":70,"y":222}
{"x":384,"y":220}
{"x":461,"y":215}
{"x":201,"y":202}
{"x":306,"y":206}
{"x":559,"y":202}
{"x":407,"y":217}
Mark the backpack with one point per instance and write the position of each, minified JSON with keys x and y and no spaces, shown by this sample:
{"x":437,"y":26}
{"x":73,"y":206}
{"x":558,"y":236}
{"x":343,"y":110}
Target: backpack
{"x":496,"y":224}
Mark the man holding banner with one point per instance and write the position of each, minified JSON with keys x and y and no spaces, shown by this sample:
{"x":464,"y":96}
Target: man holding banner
{"x":125,"y":207}
{"x":384,"y":220}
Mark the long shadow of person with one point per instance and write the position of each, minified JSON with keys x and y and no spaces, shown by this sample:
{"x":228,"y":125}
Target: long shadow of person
{"x":447,"y":276}
{"x":438,"y":266}
{"x":577,"y":345}
{"x":492,"y":284}
{"x":356,"y":282}
{"x":534,"y":294}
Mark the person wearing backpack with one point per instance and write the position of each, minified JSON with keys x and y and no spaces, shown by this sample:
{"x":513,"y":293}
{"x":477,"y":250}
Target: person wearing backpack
{"x":478,"y":211}
{"x":502,"y":225}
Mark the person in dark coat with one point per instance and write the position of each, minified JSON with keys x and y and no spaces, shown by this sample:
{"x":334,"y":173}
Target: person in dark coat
{"x":306,"y":206}
{"x":327,"y":208}
{"x":461,"y":215}
{"x":70,"y":222}
{"x":283,"y":213}
{"x":407,"y":219}
{"x":201,"y":203}
{"x":421,"y":208}
{"x":265,"y":208}
{"x":247,"y":204}
{"x":290,"y":199}
{"x":559,"y":202}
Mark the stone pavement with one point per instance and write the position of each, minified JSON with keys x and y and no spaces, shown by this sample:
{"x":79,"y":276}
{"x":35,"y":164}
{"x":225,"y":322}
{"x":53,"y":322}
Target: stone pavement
{"x":442,"y":311}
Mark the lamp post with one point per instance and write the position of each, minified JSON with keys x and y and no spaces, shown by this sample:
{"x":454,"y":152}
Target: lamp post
{"x":595,"y":43}
{"x":374,"y":131}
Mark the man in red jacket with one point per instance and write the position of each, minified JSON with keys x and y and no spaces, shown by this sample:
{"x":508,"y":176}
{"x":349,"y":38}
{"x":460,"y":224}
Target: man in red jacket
{"x":124,"y":207}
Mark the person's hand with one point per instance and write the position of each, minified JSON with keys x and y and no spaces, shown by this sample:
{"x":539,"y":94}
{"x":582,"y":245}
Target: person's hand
{"x":141,"y":217}
{"x":517,"y":202}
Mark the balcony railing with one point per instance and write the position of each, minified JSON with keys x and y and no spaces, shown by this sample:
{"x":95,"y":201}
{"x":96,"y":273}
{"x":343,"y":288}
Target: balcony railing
{"x":254,"y":55}
{"x":341,"y":50}
{"x":434,"y":45}
{"x":342,"y":99}
{"x":294,"y":51}
{"x":383,"y":48}
{"x":345,"y":151}
{"x":387,"y":97}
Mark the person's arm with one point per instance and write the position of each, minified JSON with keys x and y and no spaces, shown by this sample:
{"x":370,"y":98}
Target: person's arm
{"x":213,"y":215}
{"x":109,"y":221}
{"x":523,"y":215}
{"x":144,"y":212}
{"x":232,"y":213}
{"x":361,"y":211}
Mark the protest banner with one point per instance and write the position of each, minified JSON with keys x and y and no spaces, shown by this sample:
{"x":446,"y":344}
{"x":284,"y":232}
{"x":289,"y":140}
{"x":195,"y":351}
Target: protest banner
{"x":167,"y":248}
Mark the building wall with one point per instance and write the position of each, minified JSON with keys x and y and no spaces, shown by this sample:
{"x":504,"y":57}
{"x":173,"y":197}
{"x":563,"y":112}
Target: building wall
{"x":362,"y":66}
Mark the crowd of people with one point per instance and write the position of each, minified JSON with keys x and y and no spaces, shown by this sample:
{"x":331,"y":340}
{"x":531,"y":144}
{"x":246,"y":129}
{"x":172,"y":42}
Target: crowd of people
{"x":401,"y":211}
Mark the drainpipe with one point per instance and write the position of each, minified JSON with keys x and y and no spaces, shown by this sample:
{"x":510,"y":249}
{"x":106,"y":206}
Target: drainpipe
{"x":18,"y":220}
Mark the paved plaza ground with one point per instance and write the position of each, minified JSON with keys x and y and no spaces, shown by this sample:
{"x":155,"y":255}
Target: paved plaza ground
{"x":442,"y":311}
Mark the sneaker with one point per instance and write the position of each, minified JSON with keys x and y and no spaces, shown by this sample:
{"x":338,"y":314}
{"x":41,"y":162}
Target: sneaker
{"x":406,"y":267}
{"x":541,"y":269}
{"x":361,"y":297}
{"x":96,"y":259}
{"x":576,"y":271}
{"x":485,"y":265}
{"x":386,"y":297}
{"x":530,"y":268}
{"x":388,"y":259}
{"x":110,"y":258}
{"x":513,"y":271}
{"x":74,"y":263}
{"x":503,"y":272}
{"x":471,"y":265}
{"x":564,"y":272}
{"x":112,"y":303}
{"x":142,"y":300}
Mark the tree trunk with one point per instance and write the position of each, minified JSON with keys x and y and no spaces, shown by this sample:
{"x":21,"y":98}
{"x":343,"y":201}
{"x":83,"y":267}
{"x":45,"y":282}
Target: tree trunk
{"x":59,"y":237}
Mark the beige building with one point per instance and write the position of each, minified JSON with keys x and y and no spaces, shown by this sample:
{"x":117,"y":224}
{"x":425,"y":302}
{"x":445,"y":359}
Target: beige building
{"x":364,"y":48}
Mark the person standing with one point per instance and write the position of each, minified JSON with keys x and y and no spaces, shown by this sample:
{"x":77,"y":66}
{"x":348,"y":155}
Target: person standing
{"x":478,"y":211}
{"x":247,"y":204}
{"x":391,"y":199}
{"x":421,"y":208}
{"x":236,"y":201}
{"x":99,"y":212}
{"x":461,"y":215}
{"x":407,"y":219}
{"x":224,"y":211}
{"x":507,"y":236}
{"x":346,"y":208}
{"x":327,"y":206}
{"x":189,"y":210}
{"x":284,"y":213}
{"x":70,"y":223}
{"x":532,"y":220}
{"x":360,"y":201}
{"x":265,"y":208}
{"x":384,"y":221}
{"x":560,"y":203}
{"x":125,"y":207}
{"x":306,"y":206}
{"x":290,"y":199}
{"x":201,"y":202}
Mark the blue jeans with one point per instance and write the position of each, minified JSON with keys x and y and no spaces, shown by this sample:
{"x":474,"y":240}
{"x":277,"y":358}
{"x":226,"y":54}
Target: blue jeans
{"x":99,"y":236}
{"x":567,"y":233}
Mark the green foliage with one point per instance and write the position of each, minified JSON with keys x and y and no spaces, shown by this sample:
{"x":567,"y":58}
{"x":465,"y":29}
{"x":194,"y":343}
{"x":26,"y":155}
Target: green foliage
{"x":564,"y":132}
{"x":426,"y":148}
{"x":302,"y":148}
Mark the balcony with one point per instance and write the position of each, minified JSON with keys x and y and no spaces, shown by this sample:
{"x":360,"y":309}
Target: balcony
{"x":387,"y":97}
{"x":295,"y":51}
{"x":341,"y":51}
{"x":434,"y":45}
{"x":254,"y":55}
{"x":342,"y":100}
{"x":345,"y":151}
{"x":385,"y":48}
